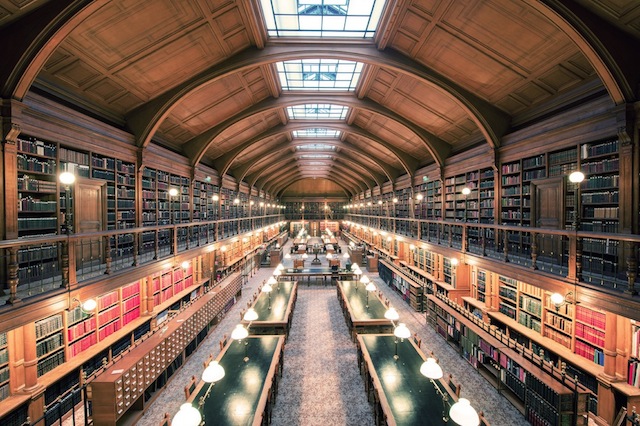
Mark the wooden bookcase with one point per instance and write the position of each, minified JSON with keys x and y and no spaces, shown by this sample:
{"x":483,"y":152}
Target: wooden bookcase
{"x":49,"y":343}
{"x":537,"y":392}
{"x":4,"y":367}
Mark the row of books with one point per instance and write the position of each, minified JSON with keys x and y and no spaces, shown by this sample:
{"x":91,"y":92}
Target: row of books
{"x":107,"y":300}
{"x":590,"y":334}
{"x":35,"y":146}
{"x":131,"y":303}
{"x":109,"y":329}
{"x":589,"y":316}
{"x":604,"y":166}
{"x":83,"y":344}
{"x":130,"y":316}
{"x":49,"y":325}
{"x":559,"y":322}
{"x":131,"y":290}
{"x":76,"y":157}
{"x":109,"y":314}
{"x":531,"y":305}
{"x":36,"y":254}
{"x":31,"y":164}
{"x":80,"y":329}
{"x":49,"y":363}
{"x":26,"y":223}
{"x":609,"y":147}
{"x":27,"y":184}
{"x":4,"y":356}
{"x":589,"y":352}
{"x":557,"y":336}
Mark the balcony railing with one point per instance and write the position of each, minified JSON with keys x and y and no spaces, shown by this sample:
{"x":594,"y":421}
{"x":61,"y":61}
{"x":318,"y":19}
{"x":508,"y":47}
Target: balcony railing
{"x":38,"y":265}
{"x":600,"y":259}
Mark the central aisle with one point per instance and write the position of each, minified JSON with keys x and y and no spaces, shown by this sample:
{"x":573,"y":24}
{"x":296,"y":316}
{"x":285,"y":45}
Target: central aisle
{"x":321,"y":384}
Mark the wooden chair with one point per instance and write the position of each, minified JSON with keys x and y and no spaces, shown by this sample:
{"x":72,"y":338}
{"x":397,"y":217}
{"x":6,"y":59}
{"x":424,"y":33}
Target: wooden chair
{"x":223,"y":341}
{"x":208,"y":361}
{"x":455,"y":388}
{"x":166,"y":420}
{"x":417,"y":340}
{"x":188,"y":390}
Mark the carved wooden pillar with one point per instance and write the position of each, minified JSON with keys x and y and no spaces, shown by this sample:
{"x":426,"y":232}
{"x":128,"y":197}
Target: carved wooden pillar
{"x":30,"y":358}
{"x":610,"y":346}
{"x":623,"y":347}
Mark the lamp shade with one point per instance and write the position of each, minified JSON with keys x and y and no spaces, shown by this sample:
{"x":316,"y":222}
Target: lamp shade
{"x":305,"y":255}
{"x":287,"y":256}
{"x":67,"y":178}
{"x":365,"y":280}
{"x":239,"y":332}
{"x":431,"y":369}
{"x":402,"y":331}
{"x":280,"y":267}
{"x":345,"y":255}
{"x":354,"y":266}
{"x":213,"y":373}
{"x":557,"y":299}
{"x":370,"y":287}
{"x":89,"y":305}
{"x":464,"y":414}
{"x":272,"y":281}
{"x":188,"y":415}
{"x":277,"y":273}
{"x":391,"y":314}
{"x":267,"y":288}
{"x":250,"y":315}
{"x":329,"y":256}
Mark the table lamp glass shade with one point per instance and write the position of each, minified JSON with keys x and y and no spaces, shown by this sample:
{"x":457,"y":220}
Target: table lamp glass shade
{"x":280,"y":267}
{"x":250,"y":315}
{"x":67,"y":178}
{"x":365,"y":280}
{"x":354,"y":266}
{"x":213,"y":373}
{"x":431,"y":369}
{"x":287,"y":256}
{"x":464,"y":414}
{"x":267,"y":288}
{"x":391,"y":314}
{"x":329,"y":256}
{"x":402,"y":331}
{"x":370,"y":287}
{"x":239,"y":332}
{"x":345,"y":255}
{"x":271,"y":281}
{"x":188,"y":415}
{"x":305,"y":255}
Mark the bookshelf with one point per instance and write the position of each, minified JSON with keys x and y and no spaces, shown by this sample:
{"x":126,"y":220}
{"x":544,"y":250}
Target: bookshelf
{"x":108,"y":314}
{"x":589,"y":334}
{"x":170,"y":282}
{"x":537,"y":391}
{"x":433,"y":199}
{"x":600,"y":189}
{"x":81,"y":331}
{"x":486,"y":196}
{"x":454,"y":201}
{"x":49,"y":343}
{"x":508,"y":297}
{"x":37,"y":187}
{"x":131,"y":299}
{"x":480,"y":285}
{"x":4,"y":367}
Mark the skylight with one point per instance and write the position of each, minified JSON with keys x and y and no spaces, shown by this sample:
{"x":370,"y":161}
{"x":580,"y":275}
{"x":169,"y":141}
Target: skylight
{"x":322,"y":18}
{"x":317,"y":112}
{"x":316,"y":133}
{"x":315,"y":156}
{"x":316,"y":147}
{"x":319,"y":74}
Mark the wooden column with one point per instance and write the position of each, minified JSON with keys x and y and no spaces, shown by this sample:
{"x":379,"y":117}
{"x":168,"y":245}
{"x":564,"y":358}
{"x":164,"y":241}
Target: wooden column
{"x":30,"y":358}
{"x":623,"y":347}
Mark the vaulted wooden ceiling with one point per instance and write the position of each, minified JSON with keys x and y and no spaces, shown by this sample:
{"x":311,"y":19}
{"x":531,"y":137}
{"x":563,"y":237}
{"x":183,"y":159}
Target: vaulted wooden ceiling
{"x":440,"y":76}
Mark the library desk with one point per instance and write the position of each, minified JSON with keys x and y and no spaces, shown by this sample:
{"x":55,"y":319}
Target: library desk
{"x":247,"y":392}
{"x":361,"y":319}
{"x":401,"y":395}
{"x":317,"y":273}
{"x":276,"y":320}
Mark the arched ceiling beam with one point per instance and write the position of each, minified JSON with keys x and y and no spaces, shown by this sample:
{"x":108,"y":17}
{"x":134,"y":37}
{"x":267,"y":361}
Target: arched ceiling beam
{"x":254,"y":177}
{"x":223,"y":163}
{"x":605,"y":46}
{"x":145,"y":120}
{"x":348,"y":194}
{"x":286,"y":181}
{"x":276,"y":170}
{"x":196,"y":147}
{"x":29,"y":41}
{"x":378,"y":177}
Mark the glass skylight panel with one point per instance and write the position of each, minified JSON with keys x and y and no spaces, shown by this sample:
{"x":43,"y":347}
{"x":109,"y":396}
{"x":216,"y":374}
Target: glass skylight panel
{"x":319,"y":74}
{"x":317,"y":112}
{"x":315,"y":156}
{"x":322,"y":18}
{"x":316,"y":147}
{"x":316,"y":133}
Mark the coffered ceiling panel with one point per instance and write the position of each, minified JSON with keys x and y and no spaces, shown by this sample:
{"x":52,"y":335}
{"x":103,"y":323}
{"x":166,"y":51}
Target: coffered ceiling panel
{"x":313,"y":187}
{"x":375,"y":150}
{"x":11,"y":10}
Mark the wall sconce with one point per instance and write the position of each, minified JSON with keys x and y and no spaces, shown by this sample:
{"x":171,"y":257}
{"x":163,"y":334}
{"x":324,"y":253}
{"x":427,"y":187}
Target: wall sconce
{"x":87,"y":307}
{"x":185,"y":265}
{"x":559,"y":300}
